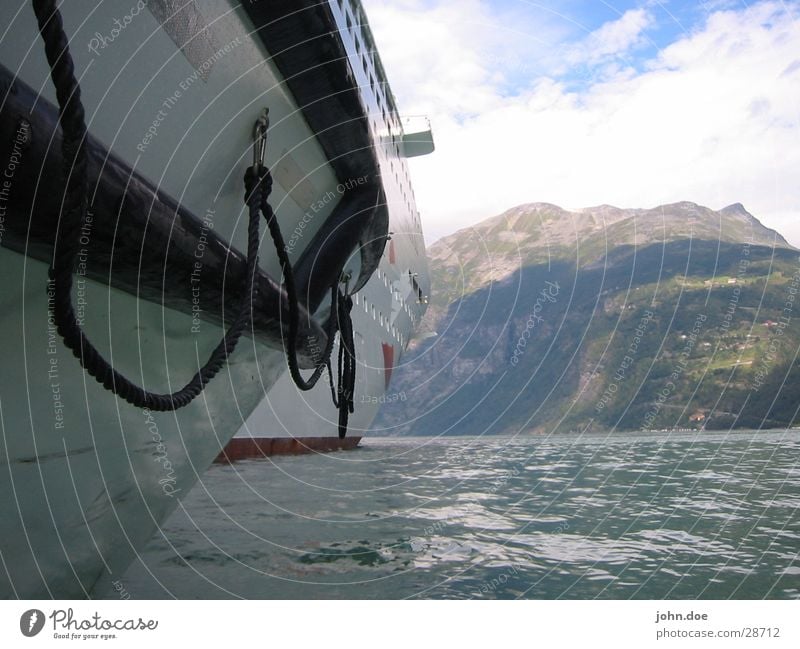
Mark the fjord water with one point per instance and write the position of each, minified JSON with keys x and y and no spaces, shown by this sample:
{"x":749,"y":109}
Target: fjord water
{"x":679,"y":515}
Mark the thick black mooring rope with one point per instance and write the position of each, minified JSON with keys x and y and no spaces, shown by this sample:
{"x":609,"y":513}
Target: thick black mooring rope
{"x":73,"y":126}
{"x":347,"y":362}
{"x":258,"y":185}
{"x":339,"y":318}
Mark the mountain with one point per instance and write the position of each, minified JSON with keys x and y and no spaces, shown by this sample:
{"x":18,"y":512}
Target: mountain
{"x":545,"y":319}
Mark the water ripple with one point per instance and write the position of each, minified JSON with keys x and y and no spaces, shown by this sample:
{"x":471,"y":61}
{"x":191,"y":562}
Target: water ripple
{"x":636,"y":516}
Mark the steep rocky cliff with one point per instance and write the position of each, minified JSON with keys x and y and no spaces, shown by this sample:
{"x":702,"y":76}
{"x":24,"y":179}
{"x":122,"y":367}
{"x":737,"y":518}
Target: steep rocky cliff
{"x":547,"y":319}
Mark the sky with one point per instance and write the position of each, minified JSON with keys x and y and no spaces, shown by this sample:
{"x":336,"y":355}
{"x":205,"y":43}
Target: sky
{"x":590,"y":102}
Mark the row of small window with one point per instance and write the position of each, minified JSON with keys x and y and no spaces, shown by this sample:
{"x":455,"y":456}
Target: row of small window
{"x":406,"y":190}
{"x":395,"y":294}
{"x":362,"y":41}
{"x":365,"y":49}
{"x":381,"y":319}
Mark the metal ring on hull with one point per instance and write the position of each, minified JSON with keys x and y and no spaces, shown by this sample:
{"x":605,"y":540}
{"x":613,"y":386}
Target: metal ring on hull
{"x":313,"y":61}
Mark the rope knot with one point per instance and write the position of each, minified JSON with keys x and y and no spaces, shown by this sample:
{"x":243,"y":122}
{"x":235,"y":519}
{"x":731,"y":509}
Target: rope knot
{"x":260,"y":179}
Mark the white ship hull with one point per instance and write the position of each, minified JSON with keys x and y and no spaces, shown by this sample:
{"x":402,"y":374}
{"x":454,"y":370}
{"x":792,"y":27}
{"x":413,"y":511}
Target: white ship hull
{"x":310,"y":417}
{"x":85,"y":477}
{"x":390,"y":306}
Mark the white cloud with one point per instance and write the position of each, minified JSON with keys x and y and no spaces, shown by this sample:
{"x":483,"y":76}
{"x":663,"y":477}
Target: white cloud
{"x":615,"y":38}
{"x":452,"y":57}
{"x":712,"y":119}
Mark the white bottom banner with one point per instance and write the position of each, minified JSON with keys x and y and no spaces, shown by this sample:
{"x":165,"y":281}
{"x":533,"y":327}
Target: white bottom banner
{"x":354,"y":624}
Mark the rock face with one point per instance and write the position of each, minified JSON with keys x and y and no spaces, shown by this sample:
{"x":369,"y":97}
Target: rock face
{"x":544,"y":319}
